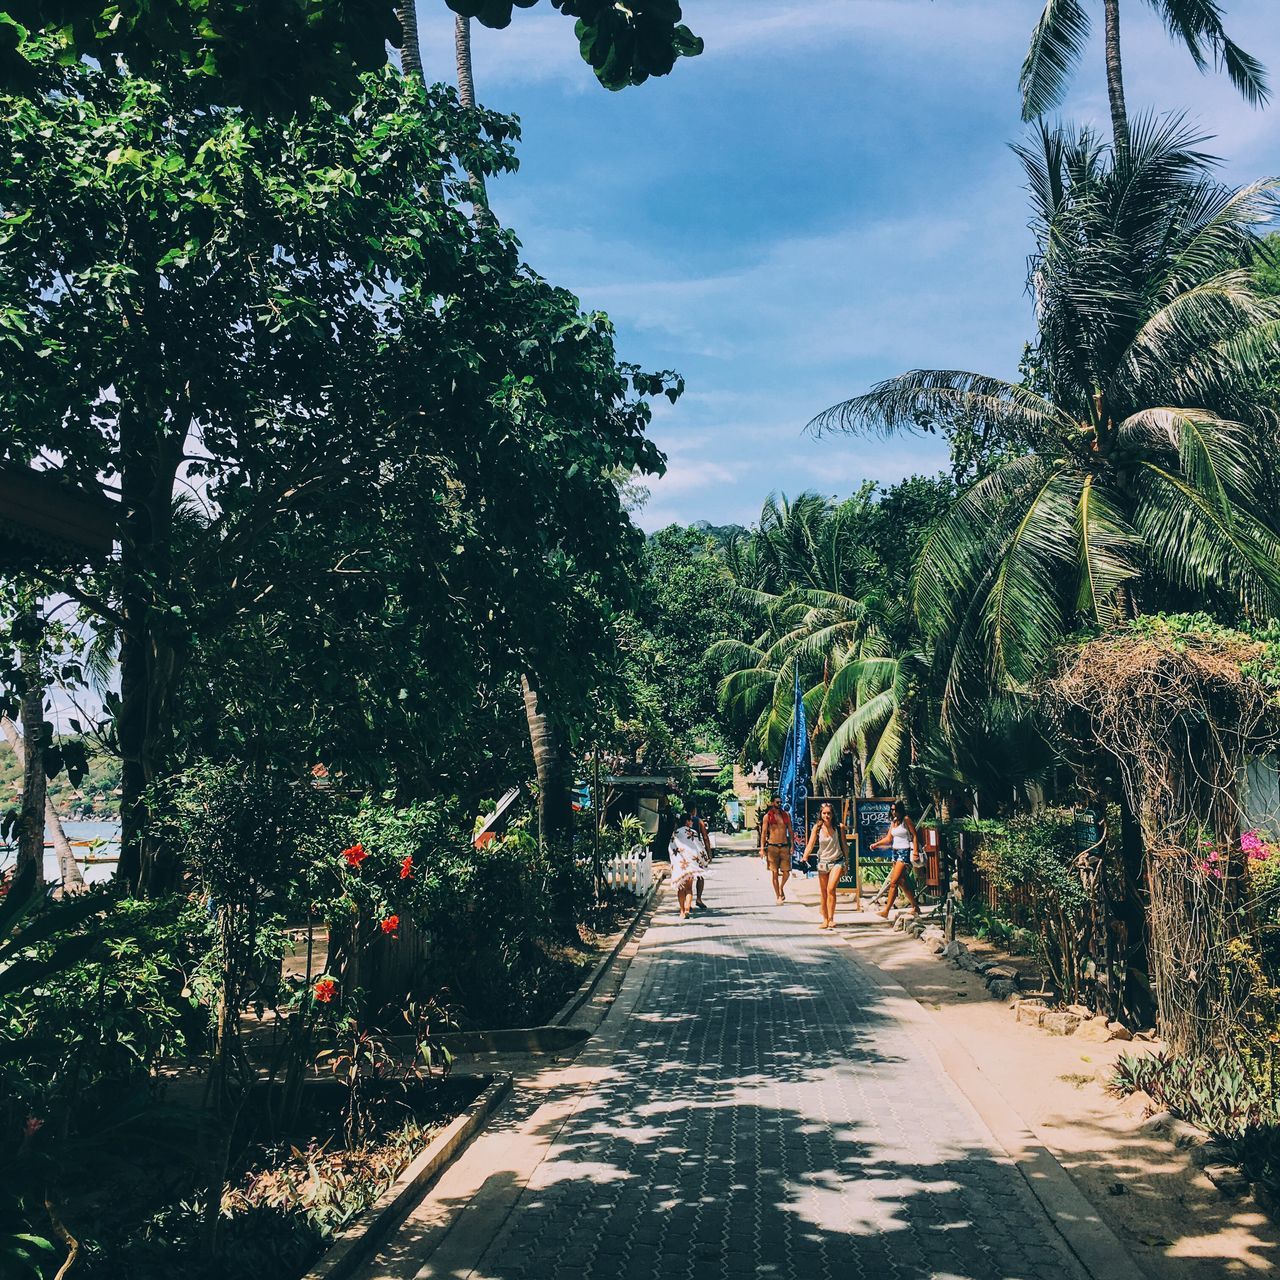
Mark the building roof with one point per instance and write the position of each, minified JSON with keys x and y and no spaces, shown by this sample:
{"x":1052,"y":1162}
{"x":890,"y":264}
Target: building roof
{"x":45,"y":520}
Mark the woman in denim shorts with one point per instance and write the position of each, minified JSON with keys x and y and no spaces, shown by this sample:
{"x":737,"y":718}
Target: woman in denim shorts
{"x":903,"y":841}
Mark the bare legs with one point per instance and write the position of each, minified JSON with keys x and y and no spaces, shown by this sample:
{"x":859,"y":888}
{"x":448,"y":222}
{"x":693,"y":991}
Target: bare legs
{"x":827,"y":881}
{"x":898,"y":877}
{"x":684,"y":897}
{"x":780,"y":871}
{"x":697,"y":891}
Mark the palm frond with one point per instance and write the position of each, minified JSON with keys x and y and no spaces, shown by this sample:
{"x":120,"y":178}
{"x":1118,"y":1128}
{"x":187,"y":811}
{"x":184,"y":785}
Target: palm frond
{"x":1106,"y":542}
{"x":1022,"y":616}
{"x":1198,"y":545}
{"x":1057,"y":43}
{"x":924,"y":399}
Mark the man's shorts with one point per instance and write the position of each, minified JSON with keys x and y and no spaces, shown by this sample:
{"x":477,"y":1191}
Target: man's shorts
{"x":778,"y":856}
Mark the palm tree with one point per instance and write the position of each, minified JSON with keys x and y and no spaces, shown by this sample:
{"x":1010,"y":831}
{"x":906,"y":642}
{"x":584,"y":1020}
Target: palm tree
{"x":410,"y":48}
{"x":1060,"y":37}
{"x":1142,"y":474}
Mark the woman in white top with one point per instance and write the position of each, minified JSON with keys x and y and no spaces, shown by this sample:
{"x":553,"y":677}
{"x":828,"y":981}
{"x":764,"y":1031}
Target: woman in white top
{"x":903,"y":841}
{"x":685,"y":851}
{"x":833,"y":859}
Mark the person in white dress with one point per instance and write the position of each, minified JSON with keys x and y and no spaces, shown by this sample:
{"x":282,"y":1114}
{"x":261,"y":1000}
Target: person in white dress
{"x":687,"y":854}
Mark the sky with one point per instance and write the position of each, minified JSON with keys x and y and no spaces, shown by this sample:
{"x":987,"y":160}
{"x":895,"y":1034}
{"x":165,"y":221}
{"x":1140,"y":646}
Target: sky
{"x":824,"y":198}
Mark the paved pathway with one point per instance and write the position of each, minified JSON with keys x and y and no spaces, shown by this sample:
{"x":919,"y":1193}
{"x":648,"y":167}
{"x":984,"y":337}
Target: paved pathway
{"x":762,"y":1114}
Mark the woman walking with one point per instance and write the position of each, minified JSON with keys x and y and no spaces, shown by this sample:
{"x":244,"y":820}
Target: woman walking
{"x":686,"y":866}
{"x":833,"y":858}
{"x":903,"y":841}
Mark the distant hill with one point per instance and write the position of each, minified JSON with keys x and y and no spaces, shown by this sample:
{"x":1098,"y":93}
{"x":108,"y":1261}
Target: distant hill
{"x":93,"y":798}
{"x":723,"y":534}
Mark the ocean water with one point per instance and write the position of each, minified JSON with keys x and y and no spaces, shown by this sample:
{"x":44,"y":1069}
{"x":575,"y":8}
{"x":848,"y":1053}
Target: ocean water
{"x":107,"y":833}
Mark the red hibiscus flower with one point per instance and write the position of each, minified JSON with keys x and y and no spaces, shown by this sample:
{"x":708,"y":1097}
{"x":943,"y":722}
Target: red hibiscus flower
{"x":406,"y":867}
{"x":355,"y":855}
{"x":391,"y":924}
{"x":324,"y":990}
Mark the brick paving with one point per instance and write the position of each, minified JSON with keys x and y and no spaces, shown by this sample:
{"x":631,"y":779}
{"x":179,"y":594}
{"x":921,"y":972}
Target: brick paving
{"x":764,"y":1115}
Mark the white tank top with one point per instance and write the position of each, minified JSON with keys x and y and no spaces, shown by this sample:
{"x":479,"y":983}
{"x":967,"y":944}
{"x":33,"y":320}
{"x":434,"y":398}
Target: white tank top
{"x":901,"y":836}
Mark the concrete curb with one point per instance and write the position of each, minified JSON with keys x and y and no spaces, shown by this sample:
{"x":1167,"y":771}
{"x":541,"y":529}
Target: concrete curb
{"x":587,"y":989}
{"x":1084,"y":1234}
{"x":365,"y":1233}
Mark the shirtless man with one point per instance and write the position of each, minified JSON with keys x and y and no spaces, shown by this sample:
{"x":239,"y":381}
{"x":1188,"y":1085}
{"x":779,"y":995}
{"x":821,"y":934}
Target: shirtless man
{"x":775,"y":845}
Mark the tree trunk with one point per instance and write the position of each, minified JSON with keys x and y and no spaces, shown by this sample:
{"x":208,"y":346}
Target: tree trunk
{"x":555,"y":808}
{"x":149,"y":459}
{"x":1115,"y":80}
{"x":410,"y":48}
{"x":34,"y":793}
{"x":68,"y":867}
{"x":467,"y":99}
{"x":462,"y":53}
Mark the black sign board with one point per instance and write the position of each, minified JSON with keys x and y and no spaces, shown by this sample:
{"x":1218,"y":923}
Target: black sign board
{"x":870,"y":823}
{"x":1088,"y":830}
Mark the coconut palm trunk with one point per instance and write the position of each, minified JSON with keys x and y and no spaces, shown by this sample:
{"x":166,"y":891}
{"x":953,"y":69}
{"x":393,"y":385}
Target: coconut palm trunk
{"x":552,"y":765}
{"x":1115,"y":77}
{"x":467,"y":99}
{"x":68,"y":867}
{"x":462,"y":53}
{"x":34,"y":793}
{"x":410,"y":48}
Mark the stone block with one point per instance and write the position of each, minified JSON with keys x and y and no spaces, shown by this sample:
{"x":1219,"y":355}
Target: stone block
{"x":1209,"y":1152}
{"x":1119,"y":1031}
{"x":1002,"y":989}
{"x":953,"y":950}
{"x":1030,"y":1011}
{"x":966,"y":962}
{"x":1060,"y":1022}
{"x":1157,"y":1125}
{"x":1095,"y":1030}
{"x":1228,"y":1178}
{"x":1006,"y":971}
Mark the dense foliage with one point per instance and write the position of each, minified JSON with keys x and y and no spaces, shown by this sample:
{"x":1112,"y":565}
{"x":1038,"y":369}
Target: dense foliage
{"x":281,"y":56}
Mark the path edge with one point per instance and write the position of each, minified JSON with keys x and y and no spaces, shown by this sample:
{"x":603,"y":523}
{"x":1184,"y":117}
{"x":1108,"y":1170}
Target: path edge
{"x":589,"y":985}
{"x":360,"y":1239}
{"x":1086,"y":1235}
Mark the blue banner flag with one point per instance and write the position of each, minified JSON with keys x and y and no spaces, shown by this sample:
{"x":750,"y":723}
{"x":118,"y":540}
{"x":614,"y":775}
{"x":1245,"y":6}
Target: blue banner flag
{"x":794,"y":781}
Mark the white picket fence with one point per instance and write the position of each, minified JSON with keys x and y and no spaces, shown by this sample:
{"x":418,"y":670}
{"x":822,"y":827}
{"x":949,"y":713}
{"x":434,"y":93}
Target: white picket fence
{"x":631,"y":872}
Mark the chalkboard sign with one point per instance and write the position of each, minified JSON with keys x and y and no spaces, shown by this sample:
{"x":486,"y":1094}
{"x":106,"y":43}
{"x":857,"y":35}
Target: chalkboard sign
{"x":1087,"y":830}
{"x":870,"y":823}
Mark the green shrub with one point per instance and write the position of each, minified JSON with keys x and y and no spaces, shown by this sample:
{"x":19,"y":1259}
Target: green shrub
{"x":1035,"y":857}
{"x":1215,"y":1093}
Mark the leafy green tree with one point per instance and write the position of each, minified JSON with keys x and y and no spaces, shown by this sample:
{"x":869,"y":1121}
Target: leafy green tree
{"x":683,"y":597}
{"x":365,"y":457}
{"x":1142,"y":479}
{"x":279,"y":56}
{"x":1062,"y":34}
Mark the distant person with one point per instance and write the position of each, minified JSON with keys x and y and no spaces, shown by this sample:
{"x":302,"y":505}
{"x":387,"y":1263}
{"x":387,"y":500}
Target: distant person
{"x":704,"y":859}
{"x":903,"y":842}
{"x":776,"y":838}
{"x":833,"y":858}
{"x":685,"y":852}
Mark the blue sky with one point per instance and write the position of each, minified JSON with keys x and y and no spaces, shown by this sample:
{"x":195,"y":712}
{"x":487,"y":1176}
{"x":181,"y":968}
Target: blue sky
{"x":824,"y":198}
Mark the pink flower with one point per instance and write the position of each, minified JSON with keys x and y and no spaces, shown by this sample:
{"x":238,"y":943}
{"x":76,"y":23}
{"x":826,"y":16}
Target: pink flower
{"x":33,"y":1126}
